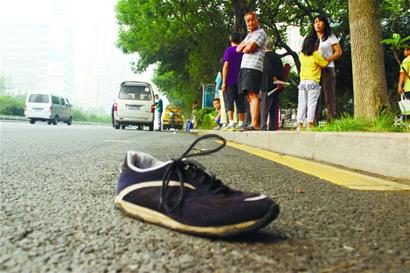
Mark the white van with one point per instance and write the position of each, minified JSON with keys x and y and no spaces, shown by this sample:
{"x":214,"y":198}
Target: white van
{"x":43,"y":106}
{"x":133,"y":105}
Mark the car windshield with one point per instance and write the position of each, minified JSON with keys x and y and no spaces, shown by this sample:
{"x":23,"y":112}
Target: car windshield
{"x":135,"y":93}
{"x":39,"y":98}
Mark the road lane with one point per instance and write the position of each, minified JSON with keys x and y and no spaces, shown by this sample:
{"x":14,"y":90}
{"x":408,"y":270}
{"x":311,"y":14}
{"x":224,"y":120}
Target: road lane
{"x":57,"y":212}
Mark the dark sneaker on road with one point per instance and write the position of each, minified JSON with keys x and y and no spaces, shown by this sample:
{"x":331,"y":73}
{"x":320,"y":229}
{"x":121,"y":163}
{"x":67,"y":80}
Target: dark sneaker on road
{"x":182,"y":195}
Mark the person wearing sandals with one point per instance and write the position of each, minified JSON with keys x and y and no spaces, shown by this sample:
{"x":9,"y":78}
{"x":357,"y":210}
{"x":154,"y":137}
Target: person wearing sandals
{"x":250,"y":75}
{"x":330,"y":49}
{"x":309,"y":88}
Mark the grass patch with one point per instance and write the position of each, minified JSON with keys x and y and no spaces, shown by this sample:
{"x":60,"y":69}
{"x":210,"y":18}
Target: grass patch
{"x":385,"y":122}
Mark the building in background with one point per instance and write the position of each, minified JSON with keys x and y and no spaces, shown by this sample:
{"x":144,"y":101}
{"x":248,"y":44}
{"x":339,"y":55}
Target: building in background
{"x":67,"y":47}
{"x":37,"y":57}
{"x":100,"y":66}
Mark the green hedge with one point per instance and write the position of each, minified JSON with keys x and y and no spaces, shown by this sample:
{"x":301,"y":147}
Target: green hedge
{"x":12,"y":106}
{"x":205,"y":119}
{"x":78,"y":115}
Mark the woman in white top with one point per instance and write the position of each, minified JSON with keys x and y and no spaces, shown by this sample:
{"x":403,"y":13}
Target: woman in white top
{"x":330,"y":49}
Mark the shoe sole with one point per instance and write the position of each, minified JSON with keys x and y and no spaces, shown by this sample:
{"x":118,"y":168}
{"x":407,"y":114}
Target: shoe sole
{"x":154,"y":217}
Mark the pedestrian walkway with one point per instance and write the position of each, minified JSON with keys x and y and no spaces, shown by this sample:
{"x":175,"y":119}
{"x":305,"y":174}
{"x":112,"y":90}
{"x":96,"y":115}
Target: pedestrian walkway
{"x":341,"y":177}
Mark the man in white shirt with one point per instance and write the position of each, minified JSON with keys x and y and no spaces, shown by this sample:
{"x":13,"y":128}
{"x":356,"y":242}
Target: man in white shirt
{"x":250,"y":75}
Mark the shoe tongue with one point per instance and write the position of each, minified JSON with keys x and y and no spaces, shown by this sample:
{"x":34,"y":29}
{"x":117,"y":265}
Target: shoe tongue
{"x":193,"y":163}
{"x":193,"y":168}
{"x":195,"y":172}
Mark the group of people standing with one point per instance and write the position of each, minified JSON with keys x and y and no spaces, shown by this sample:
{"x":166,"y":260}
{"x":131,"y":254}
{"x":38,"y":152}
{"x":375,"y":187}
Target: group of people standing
{"x":251,"y":70}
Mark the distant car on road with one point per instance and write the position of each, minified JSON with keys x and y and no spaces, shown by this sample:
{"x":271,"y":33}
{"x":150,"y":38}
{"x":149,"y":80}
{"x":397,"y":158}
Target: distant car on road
{"x":133,"y":104}
{"x":44,"y":106}
{"x":172,"y":118}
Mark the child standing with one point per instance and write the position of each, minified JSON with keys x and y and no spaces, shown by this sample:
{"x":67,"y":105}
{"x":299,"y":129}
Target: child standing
{"x":309,"y":87}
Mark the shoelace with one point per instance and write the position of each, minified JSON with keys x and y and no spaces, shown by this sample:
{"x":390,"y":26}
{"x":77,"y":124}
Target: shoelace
{"x":181,"y":164}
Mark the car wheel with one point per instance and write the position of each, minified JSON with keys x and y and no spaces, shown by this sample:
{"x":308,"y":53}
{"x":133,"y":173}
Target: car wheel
{"x":70,"y":121}
{"x":32,"y":121}
{"x":116,"y":125}
{"x":151,"y":127}
{"x":55,"y":120}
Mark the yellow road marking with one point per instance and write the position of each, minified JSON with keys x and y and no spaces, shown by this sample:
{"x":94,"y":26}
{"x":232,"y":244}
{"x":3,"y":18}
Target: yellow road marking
{"x":332,"y":174}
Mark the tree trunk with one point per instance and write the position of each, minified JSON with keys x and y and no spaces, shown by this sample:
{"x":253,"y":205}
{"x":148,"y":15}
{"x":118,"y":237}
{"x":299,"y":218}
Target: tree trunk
{"x":369,"y":80}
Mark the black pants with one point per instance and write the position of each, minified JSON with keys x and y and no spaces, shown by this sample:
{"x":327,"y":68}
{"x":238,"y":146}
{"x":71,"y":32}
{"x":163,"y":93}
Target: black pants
{"x":328,"y":83}
{"x":269,"y":106}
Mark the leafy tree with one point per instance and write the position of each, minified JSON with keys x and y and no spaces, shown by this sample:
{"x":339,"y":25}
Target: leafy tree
{"x":184,"y":38}
{"x":396,"y":43}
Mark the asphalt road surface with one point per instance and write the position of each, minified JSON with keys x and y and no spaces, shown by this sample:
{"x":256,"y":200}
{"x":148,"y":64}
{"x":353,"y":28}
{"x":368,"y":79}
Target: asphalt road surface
{"x":57,"y":211}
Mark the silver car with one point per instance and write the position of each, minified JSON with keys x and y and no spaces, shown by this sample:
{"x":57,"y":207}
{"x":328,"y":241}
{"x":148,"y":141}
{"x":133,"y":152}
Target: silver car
{"x":133,"y":105}
{"x":43,"y":106}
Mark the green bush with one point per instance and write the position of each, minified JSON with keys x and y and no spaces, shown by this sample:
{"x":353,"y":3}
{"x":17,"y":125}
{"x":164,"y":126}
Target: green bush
{"x":78,"y":115}
{"x":11,"y":106}
{"x":204,"y":118}
{"x":208,"y":121}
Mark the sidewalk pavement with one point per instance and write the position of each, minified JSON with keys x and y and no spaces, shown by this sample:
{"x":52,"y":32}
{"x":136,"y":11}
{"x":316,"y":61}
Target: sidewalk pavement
{"x":386,"y":154}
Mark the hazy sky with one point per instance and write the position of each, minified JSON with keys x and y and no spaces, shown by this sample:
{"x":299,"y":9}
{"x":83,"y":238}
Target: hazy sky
{"x":82,"y":15}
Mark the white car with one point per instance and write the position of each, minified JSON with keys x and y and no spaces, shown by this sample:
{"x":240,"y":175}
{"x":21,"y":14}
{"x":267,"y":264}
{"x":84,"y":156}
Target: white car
{"x":44,"y":106}
{"x":133,"y":105}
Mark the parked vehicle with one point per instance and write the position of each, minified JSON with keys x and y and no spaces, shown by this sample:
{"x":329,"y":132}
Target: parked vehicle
{"x":172,"y":118}
{"x":133,"y":104}
{"x":44,"y":106}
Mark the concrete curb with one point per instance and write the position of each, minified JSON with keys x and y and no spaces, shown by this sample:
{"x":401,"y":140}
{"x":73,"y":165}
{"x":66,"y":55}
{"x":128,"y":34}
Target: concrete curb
{"x":386,"y":154}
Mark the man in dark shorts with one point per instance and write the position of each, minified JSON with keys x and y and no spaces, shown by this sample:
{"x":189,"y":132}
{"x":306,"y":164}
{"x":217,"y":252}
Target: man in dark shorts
{"x":250,"y":75}
{"x":230,"y":72}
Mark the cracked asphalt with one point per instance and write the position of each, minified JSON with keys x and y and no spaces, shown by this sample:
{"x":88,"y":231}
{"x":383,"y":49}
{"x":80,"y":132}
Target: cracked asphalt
{"x":57,"y":211}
